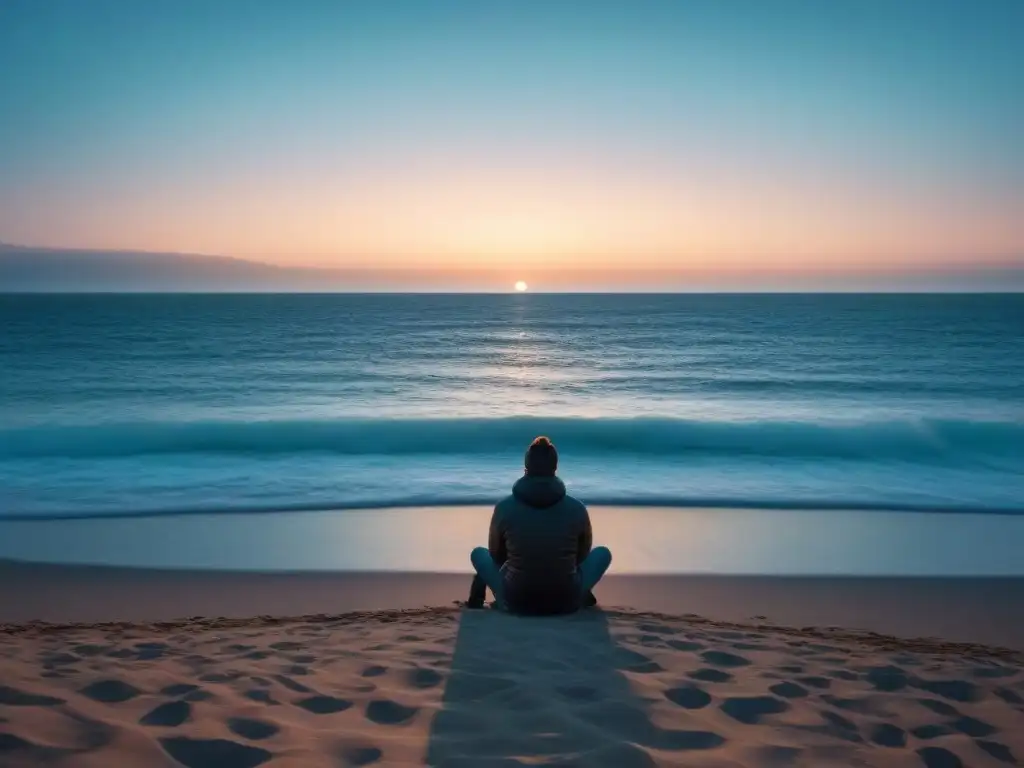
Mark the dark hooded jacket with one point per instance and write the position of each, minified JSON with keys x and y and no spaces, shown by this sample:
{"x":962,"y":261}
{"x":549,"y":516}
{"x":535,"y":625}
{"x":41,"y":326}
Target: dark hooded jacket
{"x":538,"y":536}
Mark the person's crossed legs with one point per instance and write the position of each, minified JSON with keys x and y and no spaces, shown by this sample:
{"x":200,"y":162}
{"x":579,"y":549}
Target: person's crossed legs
{"x":489,"y":575}
{"x":593,"y":568}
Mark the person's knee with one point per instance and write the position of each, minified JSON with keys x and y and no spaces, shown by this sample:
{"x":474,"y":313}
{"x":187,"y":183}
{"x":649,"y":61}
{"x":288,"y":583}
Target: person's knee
{"x":478,"y":555}
{"x":602,"y":554}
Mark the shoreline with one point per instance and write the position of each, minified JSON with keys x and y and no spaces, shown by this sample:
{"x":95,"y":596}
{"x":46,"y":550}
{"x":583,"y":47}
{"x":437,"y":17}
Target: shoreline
{"x":682,"y":505}
{"x":644,"y":540}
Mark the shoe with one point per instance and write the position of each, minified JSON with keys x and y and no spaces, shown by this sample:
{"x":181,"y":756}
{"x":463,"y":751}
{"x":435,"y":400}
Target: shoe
{"x":589,"y":601}
{"x":474,"y":603}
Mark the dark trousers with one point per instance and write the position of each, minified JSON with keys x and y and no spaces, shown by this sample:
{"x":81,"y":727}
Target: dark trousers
{"x":488,"y":574}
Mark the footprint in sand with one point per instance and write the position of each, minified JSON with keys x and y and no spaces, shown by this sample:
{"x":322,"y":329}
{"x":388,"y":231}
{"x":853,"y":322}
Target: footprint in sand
{"x":937,"y":757}
{"x":359,"y":754}
{"x":387,"y":712}
{"x":324,"y":705}
{"x":649,"y":641}
{"x":12,"y":697}
{"x":840,"y":727}
{"x":888,"y":735}
{"x":955,"y":690}
{"x":260,"y":695}
{"x":707,"y":675}
{"x":110,"y":691}
{"x":170,"y":714}
{"x":292,"y":685}
{"x":286,"y":646}
{"x":684,"y":645}
{"x":50,"y":660}
{"x":423,"y":678}
{"x":238,"y":648}
{"x":1000,"y":752}
{"x":1010,"y":697}
{"x":688,"y":697}
{"x":750,"y":709}
{"x":929,"y":732}
{"x":374,"y":671}
{"x":251,"y":728}
{"x":887,"y":679}
{"x":730,"y":635}
{"x":939,"y":707}
{"x":724,"y":659}
{"x":789,"y":690}
{"x":150,"y":651}
{"x":214,"y":753}
{"x":973,"y":727}
{"x":11,"y":743}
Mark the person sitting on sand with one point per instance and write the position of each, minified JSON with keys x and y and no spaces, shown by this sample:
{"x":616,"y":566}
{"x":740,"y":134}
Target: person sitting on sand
{"x":539,"y":558}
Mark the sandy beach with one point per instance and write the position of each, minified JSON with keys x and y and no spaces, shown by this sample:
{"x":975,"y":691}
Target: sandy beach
{"x":376,"y":680}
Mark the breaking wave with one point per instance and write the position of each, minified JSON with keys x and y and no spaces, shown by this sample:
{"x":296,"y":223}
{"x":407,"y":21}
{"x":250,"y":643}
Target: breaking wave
{"x":920,"y":441}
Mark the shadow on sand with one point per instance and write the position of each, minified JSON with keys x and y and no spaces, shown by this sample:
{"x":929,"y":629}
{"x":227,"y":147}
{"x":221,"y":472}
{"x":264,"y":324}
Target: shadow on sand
{"x":545,"y":692}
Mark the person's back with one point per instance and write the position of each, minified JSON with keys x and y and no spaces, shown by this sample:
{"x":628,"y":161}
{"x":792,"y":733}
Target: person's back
{"x":540,"y":538}
{"x":540,"y":534}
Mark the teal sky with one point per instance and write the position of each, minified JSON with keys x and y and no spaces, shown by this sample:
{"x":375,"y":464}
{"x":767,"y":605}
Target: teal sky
{"x":656,"y":135}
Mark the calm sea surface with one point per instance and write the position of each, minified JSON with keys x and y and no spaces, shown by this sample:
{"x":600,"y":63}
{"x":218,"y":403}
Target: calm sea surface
{"x":121,"y":405}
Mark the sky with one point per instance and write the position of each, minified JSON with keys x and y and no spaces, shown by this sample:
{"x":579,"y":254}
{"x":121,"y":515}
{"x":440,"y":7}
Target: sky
{"x":723,"y":136}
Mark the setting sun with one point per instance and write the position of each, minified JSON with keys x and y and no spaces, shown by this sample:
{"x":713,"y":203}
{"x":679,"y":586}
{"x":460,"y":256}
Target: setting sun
{"x":521,"y":286}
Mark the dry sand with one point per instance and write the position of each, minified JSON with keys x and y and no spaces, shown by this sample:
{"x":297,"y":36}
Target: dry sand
{"x":444,"y":686}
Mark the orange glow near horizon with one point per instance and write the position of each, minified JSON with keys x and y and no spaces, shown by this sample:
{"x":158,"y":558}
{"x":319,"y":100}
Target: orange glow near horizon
{"x":546,"y":220}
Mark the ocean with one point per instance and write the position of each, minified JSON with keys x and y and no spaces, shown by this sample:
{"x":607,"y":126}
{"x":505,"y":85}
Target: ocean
{"x":150,"y":405}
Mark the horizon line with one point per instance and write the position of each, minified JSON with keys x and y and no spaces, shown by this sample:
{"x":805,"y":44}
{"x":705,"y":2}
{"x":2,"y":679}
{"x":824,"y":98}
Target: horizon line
{"x":1014,"y":262}
{"x":695,"y":292}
